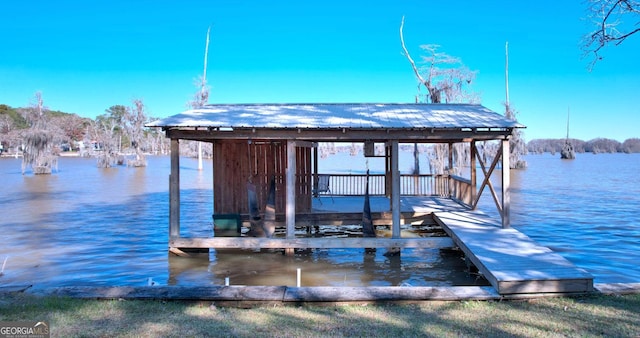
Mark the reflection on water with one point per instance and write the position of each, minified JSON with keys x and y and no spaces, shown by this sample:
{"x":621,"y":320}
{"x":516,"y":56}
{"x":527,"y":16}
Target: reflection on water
{"x":323,"y":267}
{"x":590,"y":211}
{"x":89,"y":226}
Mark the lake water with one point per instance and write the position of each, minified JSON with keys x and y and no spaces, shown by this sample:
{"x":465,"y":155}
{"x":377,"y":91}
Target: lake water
{"x":89,"y":226}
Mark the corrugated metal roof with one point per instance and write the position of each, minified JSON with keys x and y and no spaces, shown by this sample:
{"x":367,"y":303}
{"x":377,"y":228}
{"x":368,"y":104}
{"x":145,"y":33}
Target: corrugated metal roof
{"x":338,"y":115}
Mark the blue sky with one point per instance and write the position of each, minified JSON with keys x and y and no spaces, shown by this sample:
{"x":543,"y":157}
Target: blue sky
{"x":85,"y":56}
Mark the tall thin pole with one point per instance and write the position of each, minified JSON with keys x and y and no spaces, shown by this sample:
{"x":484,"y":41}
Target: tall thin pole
{"x":506,"y":71}
{"x":567,"y":123}
{"x":203,"y":88}
{"x":206,"y":56}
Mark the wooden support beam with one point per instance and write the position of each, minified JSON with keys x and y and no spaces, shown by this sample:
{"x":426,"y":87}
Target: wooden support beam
{"x":506,"y":182}
{"x":315,"y":168}
{"x":450,"y":157}
{"x":174,"y":190}
{"x":303,"y":243}
{"x":474,"y":180}
{"x":450,"y":193}
{"x":395,"y":190}
{"x":487,"y":181}
{"x":387,"y":172}
{"x":290,"y":209}
{"x":349,"y":218}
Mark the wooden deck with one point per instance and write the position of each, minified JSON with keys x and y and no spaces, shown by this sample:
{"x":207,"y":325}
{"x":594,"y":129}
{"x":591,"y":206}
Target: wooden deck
{"x":321,"y":218}
{"x":511,"y":261}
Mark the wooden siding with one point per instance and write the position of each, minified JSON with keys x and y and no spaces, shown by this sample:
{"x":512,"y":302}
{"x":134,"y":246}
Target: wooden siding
{"x":236,"y":163}
{"x":304,"y":181}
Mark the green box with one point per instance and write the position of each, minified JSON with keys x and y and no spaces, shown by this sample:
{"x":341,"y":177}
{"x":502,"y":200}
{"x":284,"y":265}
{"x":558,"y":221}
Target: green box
{"x":227,"y":225}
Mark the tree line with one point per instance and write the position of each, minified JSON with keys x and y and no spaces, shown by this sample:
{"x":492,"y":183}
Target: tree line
{"x":596,"y":146}
{"x":117,"y":137}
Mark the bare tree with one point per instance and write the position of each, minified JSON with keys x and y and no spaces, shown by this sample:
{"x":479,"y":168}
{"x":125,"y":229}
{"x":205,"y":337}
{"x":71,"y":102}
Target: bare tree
{"x":447,"y":80}
{"x":38,"y":152}
{"x":444,"y":77}
{"x":103,"y":139}
{"x":614,"y":21}
{"x":8,"y":136}
{"x":134,"y":121}
{"x":107,"y":134}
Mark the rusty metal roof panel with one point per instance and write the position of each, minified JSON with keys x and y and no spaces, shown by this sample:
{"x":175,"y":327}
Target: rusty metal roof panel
{"x":338,"y":115}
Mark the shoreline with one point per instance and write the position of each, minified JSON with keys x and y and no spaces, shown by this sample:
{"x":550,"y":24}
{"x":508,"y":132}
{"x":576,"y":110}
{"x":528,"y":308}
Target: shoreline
{"x":256,"y":295}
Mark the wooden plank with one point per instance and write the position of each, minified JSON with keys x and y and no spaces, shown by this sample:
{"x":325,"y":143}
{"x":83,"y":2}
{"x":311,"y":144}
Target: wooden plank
{"x":280,"y":294}
{"x":618,"y":288}
{"x":386,"y":293}
{"x":301,"y":243}
{"x":222,"y":293}
{"x":545,"y":286}
{"x":352,"y":218}
{"x":511,"y":261}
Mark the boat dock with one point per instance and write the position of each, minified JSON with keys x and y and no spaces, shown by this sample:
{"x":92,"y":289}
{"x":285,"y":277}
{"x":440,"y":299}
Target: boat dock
{"x":515,"y":265}
{"x":511,"y":261}
{"x":270,"y":168}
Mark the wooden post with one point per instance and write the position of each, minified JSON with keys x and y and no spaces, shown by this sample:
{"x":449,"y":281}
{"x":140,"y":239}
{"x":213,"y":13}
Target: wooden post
{"x":506,"y":182}
{"x":472,"y":164}
{"x":395,"y":190}
{"x":290,"y":209}
{"x":387,"y":172}
{"x":315,"y":169}
{"x":450,"y":181}
{"x":174,"y":190}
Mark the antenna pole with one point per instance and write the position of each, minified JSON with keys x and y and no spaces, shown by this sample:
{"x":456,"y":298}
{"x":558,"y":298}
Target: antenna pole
{"x":506,"y":71}
{"x":204,"y":95}
{"x":206,"y":56}
{"x":567,"y":123}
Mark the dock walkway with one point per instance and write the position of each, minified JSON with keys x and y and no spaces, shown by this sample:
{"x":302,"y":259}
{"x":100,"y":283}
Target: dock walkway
{"x":511,"y":261}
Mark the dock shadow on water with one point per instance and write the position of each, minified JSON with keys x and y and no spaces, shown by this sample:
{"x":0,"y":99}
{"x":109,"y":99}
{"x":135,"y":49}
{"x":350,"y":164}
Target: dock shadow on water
{"x":104,"y":227}
{"x":324,"y":267}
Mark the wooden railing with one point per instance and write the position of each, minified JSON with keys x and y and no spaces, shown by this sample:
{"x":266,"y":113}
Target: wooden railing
{"x":354,"y":185}
{"x":410,"y":185}
{"x":461,"y":190}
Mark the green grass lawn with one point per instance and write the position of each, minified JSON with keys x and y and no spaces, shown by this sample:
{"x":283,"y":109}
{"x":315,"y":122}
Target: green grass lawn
{"x":588,"y":316}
